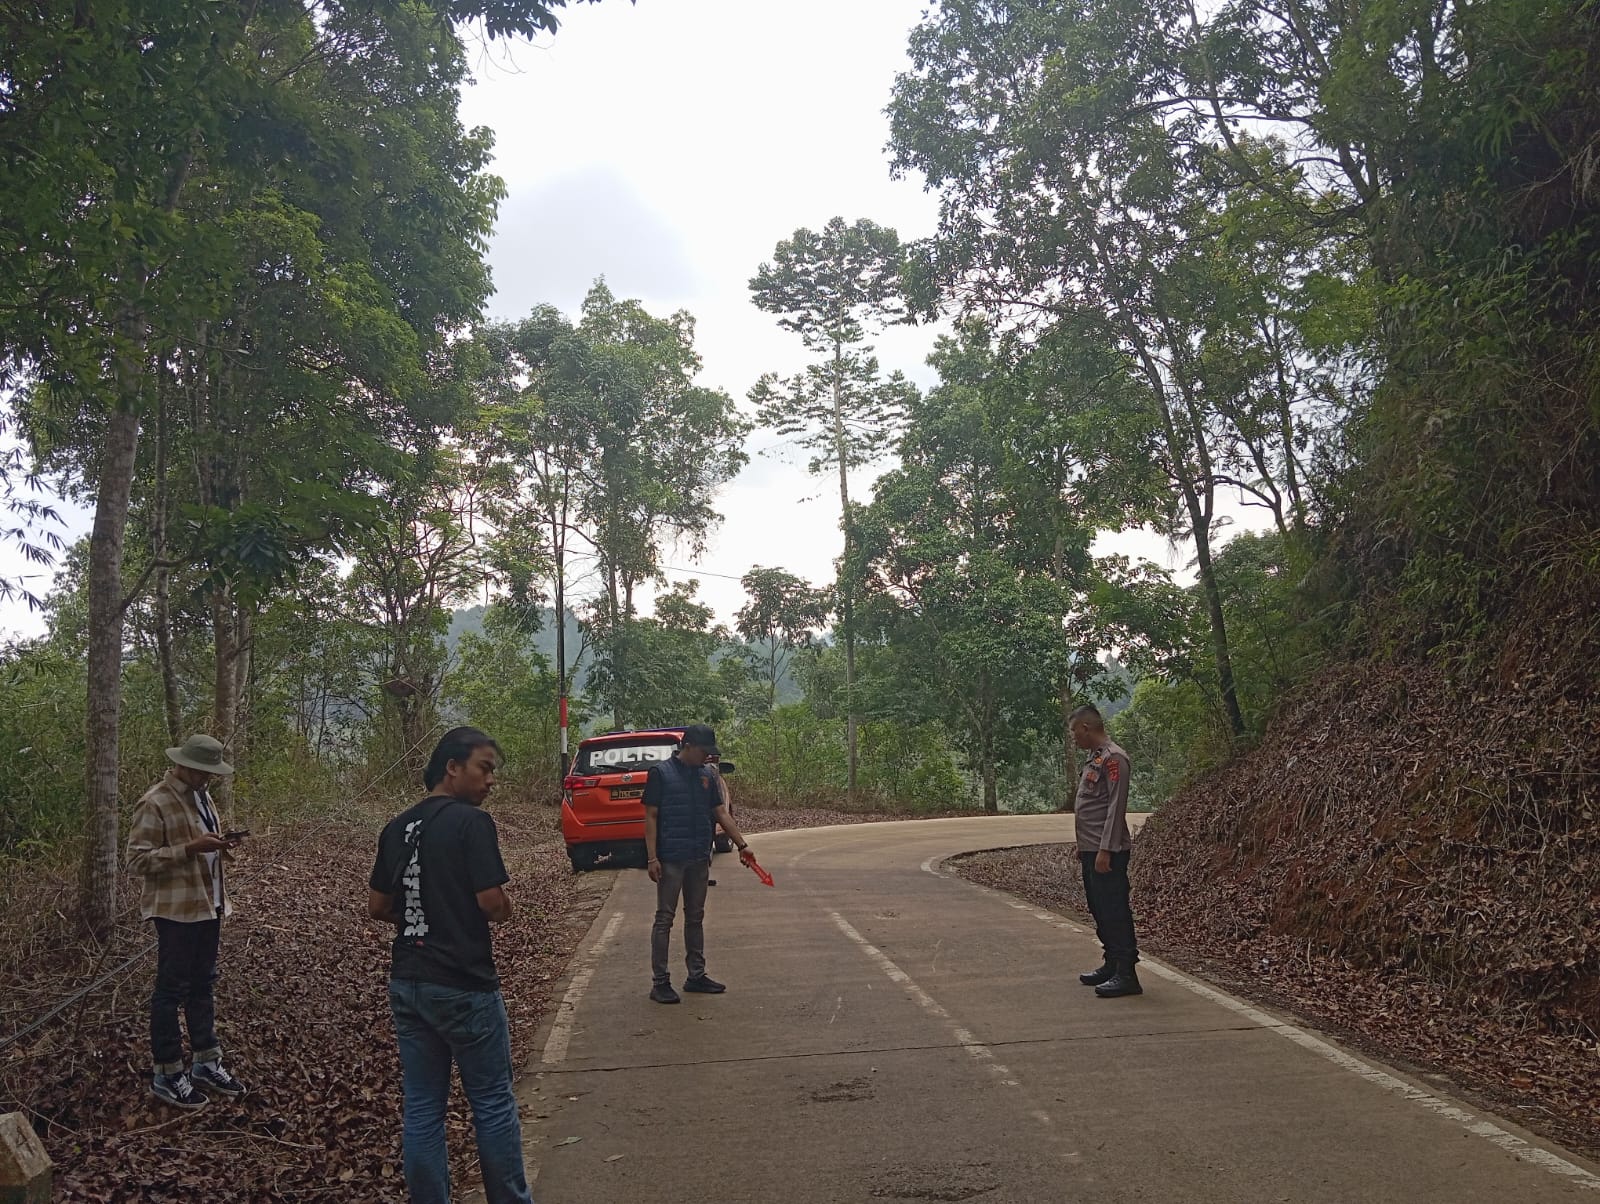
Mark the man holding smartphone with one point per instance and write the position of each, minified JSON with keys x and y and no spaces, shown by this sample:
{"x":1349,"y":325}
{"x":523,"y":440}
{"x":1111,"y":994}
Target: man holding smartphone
{"x":178,"y":845}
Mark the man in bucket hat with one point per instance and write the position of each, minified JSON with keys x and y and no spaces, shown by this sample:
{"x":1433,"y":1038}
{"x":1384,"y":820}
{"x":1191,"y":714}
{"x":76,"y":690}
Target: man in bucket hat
{"x":178,"y":846}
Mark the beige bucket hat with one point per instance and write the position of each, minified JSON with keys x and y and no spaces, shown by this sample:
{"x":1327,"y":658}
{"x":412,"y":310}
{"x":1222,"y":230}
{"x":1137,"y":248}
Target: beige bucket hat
{"x":200,"y":752}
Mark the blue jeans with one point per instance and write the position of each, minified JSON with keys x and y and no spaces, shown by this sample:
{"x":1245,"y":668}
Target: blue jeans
{"x":434,"y":1025}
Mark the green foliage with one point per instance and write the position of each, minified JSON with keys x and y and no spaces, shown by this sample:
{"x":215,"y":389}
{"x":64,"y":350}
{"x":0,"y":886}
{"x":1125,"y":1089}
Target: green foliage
{"x":658,"y":670}
{"x":501,"y":683}
{"x":798,"y":757}
{"x":596,"y":440}
{"x":1171,"y":732}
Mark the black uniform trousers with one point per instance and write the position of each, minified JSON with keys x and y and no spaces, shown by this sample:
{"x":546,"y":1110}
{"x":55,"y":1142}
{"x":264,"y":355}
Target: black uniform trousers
{"x":1108,"y":904}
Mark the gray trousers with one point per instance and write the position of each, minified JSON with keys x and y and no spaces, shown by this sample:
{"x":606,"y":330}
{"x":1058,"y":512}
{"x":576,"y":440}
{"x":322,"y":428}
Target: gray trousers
{"x":689,"y":879}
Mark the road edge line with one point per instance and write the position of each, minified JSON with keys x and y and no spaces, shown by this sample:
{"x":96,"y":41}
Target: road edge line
{"x":1473,"y":1123}
{"x":560,"y":1037}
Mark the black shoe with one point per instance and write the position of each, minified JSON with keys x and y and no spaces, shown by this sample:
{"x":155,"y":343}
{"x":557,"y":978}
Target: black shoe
{"x":711,"y":881}
{"x":704,"y":986}
{"x":662,"y":992}
{"x":1094,"y":978}
{"x":214,"y":1075}
{"x":1124,"y":982}
{"x":177,"y":1090}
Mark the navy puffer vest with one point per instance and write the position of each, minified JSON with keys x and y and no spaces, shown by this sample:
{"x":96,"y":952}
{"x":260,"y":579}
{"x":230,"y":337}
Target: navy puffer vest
{"x":684,"y":823}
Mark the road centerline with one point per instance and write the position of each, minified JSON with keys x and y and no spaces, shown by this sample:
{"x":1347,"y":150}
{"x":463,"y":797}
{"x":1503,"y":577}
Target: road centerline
{"x":980,"y":1052}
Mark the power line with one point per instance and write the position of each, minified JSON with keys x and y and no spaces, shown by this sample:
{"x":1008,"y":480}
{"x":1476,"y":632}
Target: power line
{"x":672,"y":568}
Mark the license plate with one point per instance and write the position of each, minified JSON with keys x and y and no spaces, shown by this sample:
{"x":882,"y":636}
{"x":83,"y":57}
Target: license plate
{"x":625,"y":792}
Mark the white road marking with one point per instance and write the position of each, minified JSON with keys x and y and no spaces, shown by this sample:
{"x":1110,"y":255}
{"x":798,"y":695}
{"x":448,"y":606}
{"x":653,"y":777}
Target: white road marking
{"x":1473,"y":1124}
{"x":555,"y":1046}
{"x":979,"y":1052}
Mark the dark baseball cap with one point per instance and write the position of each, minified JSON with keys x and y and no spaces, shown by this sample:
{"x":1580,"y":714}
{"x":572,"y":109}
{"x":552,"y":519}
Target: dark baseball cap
{"x":701,"y":736}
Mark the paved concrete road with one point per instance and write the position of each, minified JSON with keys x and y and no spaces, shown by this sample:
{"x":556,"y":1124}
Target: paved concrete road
{"x":894,"y":1033}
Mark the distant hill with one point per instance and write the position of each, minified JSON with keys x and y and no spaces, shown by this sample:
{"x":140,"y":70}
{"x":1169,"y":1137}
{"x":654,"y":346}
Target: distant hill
{"x":471,"y":620}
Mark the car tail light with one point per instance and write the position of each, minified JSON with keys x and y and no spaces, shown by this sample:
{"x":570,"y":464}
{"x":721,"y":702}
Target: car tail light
{"x":577,"y":783}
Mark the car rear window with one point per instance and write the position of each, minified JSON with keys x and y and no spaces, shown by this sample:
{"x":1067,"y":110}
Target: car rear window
{"x":615,"y":756}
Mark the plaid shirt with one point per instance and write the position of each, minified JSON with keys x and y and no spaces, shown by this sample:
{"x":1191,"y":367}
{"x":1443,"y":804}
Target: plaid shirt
{"x":176,"y":885}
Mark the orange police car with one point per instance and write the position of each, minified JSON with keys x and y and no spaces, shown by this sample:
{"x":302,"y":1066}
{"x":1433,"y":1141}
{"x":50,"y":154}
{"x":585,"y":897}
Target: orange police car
{"x":602,"y":812}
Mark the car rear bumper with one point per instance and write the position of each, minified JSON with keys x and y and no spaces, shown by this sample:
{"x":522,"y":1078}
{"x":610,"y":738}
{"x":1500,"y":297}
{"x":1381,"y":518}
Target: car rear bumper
{"x":576,"y":831}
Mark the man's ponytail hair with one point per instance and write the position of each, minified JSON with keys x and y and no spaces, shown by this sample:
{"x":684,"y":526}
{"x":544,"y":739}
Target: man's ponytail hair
{"x":457,"y":744}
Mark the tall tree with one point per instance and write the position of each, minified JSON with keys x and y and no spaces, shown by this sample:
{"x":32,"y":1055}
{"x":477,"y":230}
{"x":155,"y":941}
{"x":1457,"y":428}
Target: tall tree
{"x":412,"y":569}
{"x":1065,"y":199}
{"x":535,"y":439}
{"x":120,"y":128}
{"x":961,"y":588}
{"x":831,"y":288}
{"x":602,"y":438}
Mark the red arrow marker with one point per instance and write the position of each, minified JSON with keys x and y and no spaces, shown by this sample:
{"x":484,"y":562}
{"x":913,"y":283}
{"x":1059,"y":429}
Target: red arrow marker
{"x":765,"y":877}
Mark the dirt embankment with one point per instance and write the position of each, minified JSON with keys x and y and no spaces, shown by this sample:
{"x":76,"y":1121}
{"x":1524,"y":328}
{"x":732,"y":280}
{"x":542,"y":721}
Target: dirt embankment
{"x":1409,"y":863}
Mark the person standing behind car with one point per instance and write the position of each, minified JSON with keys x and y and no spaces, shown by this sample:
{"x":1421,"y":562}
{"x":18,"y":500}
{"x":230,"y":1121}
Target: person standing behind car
{"x":682,"y":807}
{"x":177,"y":845}
{"x":439,"y":879}
{"x":720,"y":769}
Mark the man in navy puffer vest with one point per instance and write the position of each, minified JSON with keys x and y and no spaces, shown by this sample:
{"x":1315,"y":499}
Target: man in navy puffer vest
{"x":682,"y":807}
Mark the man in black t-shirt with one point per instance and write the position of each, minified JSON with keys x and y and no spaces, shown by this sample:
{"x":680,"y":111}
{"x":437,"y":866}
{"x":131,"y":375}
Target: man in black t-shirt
{"x":439,"y":879}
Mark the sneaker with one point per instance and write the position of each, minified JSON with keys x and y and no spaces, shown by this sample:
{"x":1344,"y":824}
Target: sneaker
{"x":662,"y":992}
{"x":215,"y":1076}
{"x":177,"y":1090}
{"x":704,"y":986}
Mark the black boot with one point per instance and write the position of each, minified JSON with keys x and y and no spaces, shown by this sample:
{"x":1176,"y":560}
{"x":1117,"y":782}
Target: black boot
{"x":1105,"y":973}
{"x":1124,"y":982}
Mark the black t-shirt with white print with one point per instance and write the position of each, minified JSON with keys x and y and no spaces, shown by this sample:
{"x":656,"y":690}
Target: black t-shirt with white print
{"x":442,"y":937}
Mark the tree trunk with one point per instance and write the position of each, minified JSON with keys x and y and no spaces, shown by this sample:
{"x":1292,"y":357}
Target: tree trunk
{"x":991,"y":790}
{"x":225,"y":683}
{"x":163,"y":581}
{"x":561,"y":650}
{"x":1189,"y":484}
{"x":171,"y":701}
{"x":243,"y":666}
{"x":97,"y":888}
{"x":841,"y":452}
{"x":1069,"y":750}
{"x":772,"y":696}
{"x":1219,"y":629}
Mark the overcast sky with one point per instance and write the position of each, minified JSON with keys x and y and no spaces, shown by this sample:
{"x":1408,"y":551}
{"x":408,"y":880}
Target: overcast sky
{"x":668,"y":146}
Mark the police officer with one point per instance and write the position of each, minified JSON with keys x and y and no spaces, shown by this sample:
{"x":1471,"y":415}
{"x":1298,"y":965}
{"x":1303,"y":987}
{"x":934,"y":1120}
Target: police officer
{"x":1103,"y":848}
{"x":682,"y":806}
